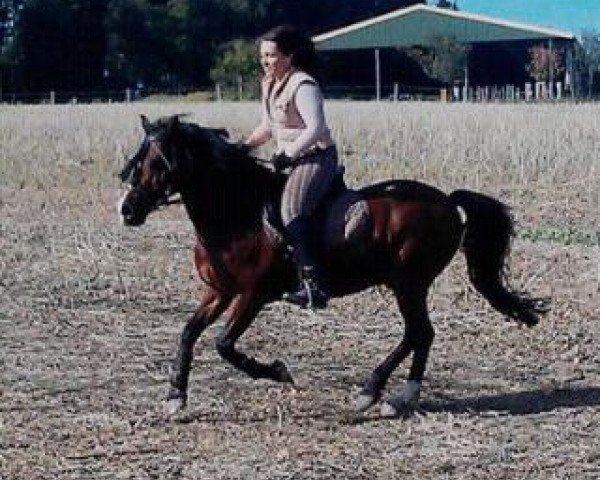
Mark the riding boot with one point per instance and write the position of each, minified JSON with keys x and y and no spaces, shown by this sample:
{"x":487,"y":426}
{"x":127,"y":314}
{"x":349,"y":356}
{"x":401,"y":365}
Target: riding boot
{"x":310,"y":295}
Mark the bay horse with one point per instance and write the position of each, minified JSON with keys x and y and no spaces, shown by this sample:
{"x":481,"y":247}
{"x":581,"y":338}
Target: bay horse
{"x":412,"y":233}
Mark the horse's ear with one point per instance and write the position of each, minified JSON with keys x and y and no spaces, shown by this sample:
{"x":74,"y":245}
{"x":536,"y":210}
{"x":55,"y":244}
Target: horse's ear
{"x":222,"y":132}
{"x":172,"y":122}
{"x":145,"y":123}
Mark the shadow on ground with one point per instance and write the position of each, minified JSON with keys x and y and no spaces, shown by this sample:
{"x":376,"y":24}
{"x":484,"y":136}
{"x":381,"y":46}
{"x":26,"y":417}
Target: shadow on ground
{"x":519,"y":403}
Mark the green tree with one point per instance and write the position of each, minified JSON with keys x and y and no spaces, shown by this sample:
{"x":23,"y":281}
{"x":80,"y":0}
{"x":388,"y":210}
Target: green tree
{"x":142,"y":42}
{"x":80,"y":44}
{"x":60,"y":44}
{"x":444,"y":60}
{"x":590,"y":49}
{"x":237,"y":63}
{"x":446,"y":4}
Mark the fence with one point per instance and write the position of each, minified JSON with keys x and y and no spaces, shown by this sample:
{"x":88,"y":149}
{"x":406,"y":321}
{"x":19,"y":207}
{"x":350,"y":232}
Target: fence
{"x":529,"y":92}
{"x":539,"y":91}
{"x":53,"y":97}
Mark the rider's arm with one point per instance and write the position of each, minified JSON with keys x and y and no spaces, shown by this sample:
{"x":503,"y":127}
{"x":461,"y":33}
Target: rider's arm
{"x":309,"y":103}
{"x":262,"y":133}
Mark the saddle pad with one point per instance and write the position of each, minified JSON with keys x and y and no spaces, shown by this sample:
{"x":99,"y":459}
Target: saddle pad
{"x":347,"y":219}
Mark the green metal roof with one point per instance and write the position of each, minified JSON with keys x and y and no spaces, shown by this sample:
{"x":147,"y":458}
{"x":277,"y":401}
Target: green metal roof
{"x":421,"y":24}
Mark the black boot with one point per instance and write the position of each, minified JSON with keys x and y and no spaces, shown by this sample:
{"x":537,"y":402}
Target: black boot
{"x":310,"y":295}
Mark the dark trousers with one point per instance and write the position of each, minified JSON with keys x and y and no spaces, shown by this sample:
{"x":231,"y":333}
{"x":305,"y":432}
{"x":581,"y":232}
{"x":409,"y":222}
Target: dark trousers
{"x":308,"y":183}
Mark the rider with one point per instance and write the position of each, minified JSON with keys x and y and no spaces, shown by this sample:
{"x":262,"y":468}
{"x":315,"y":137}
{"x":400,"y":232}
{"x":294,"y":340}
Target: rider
{"x":292,"y":113}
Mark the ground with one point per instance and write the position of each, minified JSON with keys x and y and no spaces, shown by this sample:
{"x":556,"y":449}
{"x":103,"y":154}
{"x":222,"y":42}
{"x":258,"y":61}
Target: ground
{"x":90,"y":316}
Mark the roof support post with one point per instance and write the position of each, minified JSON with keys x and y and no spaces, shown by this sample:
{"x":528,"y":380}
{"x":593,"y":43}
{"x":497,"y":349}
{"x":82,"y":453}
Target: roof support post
{"x":550,"y":71}
{"x":571,"y":80}
{"x":466,"y":88}
{"x":377,"y":75}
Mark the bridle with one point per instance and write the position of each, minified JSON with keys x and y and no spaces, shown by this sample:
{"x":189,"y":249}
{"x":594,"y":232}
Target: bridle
{"x":166,"y":200}
{"x":153,"y":143}
{"x":132,"y":168}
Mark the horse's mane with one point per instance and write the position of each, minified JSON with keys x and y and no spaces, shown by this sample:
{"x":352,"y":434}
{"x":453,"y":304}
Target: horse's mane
{"x":226,"y":155}
{"x":237,"y":187}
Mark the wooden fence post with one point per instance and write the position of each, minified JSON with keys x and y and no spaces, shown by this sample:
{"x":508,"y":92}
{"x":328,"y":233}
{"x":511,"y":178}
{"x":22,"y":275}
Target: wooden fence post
{"x":240,"y":88}
{"x":528,"y":92}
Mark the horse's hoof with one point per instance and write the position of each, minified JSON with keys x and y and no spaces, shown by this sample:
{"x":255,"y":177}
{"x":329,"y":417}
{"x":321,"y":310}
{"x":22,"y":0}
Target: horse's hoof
{"x":397,"y":407}
{"x":404,"y":403}
{"x":174,"y":406}
{"x":280,"y":372}
{"x":175,"y":402}
{"x":389,"y":411}
{"x":363,"y":402}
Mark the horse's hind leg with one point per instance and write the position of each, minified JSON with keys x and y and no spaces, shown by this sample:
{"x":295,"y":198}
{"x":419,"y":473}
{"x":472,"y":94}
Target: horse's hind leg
{"x":418,"y":337}
{"x":212,"y":304}
{"x":242,"y":312}
{"x":373,"y":387}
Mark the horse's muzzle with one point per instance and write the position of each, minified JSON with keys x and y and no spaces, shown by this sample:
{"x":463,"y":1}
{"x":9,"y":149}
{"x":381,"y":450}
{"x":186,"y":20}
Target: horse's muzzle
{"x":134,"y":208}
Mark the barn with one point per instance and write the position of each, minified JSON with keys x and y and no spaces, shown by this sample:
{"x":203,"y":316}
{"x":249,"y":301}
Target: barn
{"x":371,"y":54}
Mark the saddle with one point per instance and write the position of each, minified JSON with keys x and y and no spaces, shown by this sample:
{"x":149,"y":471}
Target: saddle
{"x":341,"y":216}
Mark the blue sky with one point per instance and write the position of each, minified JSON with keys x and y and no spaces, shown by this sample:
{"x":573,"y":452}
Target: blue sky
{"x":568,"y":15}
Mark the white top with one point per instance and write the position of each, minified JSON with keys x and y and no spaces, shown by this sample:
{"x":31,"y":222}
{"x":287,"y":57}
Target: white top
{"x":309,"y":103}
{"x":295,"y":118}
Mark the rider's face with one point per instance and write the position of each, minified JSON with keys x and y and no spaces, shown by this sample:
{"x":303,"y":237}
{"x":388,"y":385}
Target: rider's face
{"x":274,"y":62}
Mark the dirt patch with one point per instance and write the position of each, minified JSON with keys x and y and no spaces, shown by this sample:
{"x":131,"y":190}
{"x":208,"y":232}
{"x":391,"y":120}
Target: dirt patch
{"x":91,"y":312}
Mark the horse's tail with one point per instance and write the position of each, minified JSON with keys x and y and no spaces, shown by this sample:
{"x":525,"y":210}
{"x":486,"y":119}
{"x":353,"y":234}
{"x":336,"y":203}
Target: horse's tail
{"x":486,"y":245}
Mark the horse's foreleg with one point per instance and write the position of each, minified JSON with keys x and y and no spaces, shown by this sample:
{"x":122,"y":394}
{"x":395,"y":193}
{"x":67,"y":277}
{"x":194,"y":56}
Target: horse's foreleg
{"x":242,"y":312}
{"x":212,"y":304}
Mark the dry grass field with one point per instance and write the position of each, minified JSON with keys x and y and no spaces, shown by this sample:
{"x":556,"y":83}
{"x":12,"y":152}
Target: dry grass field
{"x":90,"y":312}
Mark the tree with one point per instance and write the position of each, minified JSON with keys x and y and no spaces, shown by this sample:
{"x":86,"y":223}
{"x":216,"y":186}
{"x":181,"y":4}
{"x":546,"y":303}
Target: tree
{"x":446,"y":4}
{"x":59,"y":44}
{"x":89,"y":44}
{"x":590,"y":49}
{"x":237,"y":62}
{"x":545,"y":64}
{"x":445,"y":60}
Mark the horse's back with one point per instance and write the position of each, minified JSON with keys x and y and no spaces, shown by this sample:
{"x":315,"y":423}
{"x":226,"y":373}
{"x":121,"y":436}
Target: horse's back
{"x":404,"y":191}
{"x":353,"y":215}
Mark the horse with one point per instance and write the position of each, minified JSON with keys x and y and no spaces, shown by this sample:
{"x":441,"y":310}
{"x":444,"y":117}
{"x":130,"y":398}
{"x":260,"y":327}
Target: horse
{"x":405,"y":234}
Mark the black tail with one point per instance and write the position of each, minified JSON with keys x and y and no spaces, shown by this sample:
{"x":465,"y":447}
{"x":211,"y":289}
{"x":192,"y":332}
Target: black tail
{"x":486,"y":246}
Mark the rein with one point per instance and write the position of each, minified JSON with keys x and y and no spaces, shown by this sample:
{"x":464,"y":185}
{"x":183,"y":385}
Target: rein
{"x":154,"y":144}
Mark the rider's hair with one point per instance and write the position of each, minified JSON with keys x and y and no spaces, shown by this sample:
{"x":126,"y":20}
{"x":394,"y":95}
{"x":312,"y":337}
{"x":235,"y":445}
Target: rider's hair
{"x":291,"y":41}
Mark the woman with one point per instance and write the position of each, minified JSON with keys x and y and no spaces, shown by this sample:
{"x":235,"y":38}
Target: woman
{"x":292,"y":114}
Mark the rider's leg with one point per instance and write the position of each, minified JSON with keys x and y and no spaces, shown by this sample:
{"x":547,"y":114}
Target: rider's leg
{"x":306,"y":187}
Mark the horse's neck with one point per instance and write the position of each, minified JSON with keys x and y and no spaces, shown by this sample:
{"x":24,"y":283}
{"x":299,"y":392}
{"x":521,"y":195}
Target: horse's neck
{"x":222,"y":207}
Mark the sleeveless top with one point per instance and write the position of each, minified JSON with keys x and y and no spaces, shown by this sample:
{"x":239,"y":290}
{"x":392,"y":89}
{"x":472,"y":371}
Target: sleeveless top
{"x":286,"y":122}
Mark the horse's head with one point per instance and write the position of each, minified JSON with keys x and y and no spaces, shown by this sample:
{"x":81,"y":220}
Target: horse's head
{"x":212,"y":174}
{"x":152,"y":173}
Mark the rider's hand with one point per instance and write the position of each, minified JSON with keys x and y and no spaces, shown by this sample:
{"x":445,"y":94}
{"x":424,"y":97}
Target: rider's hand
{"x":281,"y":161}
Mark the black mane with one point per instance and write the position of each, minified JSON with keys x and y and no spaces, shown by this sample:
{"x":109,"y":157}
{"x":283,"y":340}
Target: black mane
{"x":225,"y":187}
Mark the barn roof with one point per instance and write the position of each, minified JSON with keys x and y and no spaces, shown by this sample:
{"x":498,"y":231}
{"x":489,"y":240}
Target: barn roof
{"x":422,"y":24}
